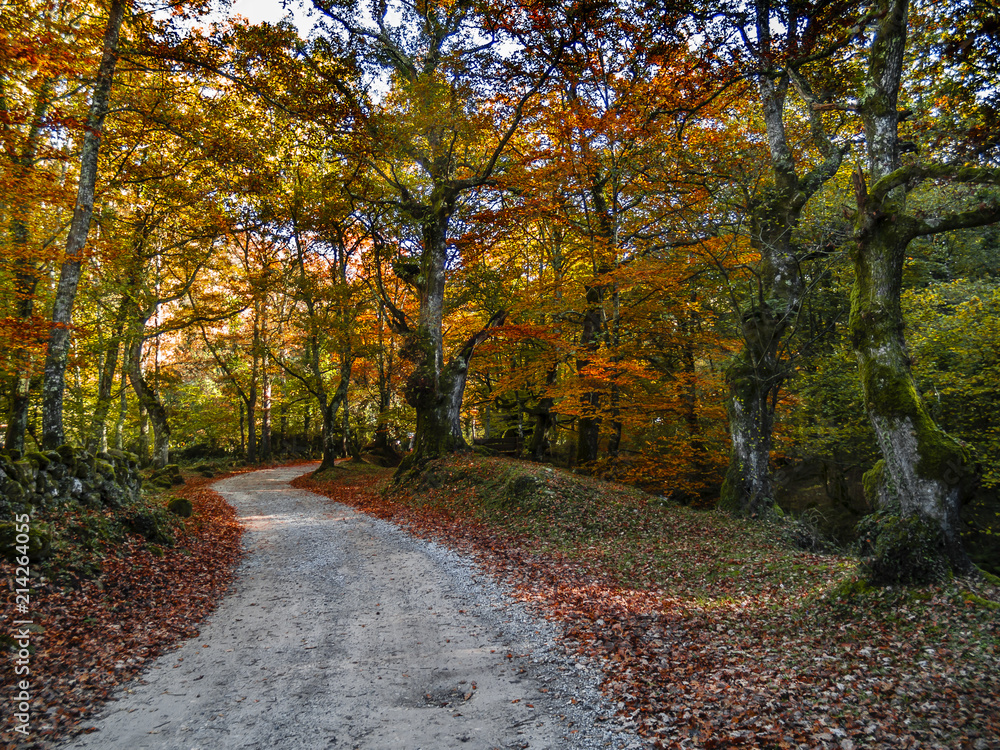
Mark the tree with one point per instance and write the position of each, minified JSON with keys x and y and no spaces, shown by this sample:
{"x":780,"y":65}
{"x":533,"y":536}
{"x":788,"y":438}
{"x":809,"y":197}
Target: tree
{"x":439,"y":134}
{"x":924,"y":474}
{"x":784,"y":46}
{"x":69,"y":274}
{"x":43,"y":51}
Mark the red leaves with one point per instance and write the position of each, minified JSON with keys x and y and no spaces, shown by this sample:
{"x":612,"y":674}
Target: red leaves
{"x":100,"y":635}
{"x":735,"y":651}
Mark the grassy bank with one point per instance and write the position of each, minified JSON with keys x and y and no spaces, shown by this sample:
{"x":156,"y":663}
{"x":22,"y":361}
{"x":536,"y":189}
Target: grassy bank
{"x":715,"y":633}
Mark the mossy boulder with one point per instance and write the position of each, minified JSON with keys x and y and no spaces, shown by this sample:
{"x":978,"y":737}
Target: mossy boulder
{"x":68,"y":454}
{"x":151,"y":523}
{"x":901,"y":549}
{"x":181,"y":506}
{"x":166,"y":477}
{"x":39,"y":540}
{"x":105,"y":469}
{"x":38,"y":460}
{"x":14,"y":492}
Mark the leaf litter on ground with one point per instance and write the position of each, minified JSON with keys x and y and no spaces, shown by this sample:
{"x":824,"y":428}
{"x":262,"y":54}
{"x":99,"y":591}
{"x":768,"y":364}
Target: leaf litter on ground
{"x":92,"y":635}
{"x":713,"y":632}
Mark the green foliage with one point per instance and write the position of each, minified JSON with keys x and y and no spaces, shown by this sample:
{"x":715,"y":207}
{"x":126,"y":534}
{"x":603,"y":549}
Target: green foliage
{"x":955,"y":340}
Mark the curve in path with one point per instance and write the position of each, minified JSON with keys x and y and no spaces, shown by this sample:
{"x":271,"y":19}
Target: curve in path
{"x":342,"y":631}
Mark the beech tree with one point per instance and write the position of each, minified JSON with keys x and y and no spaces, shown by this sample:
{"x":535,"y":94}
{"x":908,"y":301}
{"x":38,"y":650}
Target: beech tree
{"x":440,"y":133}
{"x":69,"y":274}
{"x":40,"y":94}
{"x":781,"y":47}
{"x":924,"y":474}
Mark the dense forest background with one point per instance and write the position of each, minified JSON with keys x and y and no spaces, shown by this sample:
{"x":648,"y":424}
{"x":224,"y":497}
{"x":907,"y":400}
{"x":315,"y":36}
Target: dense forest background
{"x":736,"y":250}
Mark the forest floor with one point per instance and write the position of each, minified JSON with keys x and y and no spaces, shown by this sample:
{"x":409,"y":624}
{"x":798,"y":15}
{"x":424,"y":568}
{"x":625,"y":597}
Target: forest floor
{"x":714,"y":632}
{"x":709,"y":632}
{"x":340,"y":630}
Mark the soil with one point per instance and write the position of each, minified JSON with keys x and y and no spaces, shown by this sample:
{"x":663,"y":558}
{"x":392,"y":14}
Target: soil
{"x":342,"y":631}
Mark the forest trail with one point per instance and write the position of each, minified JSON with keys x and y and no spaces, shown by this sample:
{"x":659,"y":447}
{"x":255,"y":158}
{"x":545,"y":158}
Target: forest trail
{"x":342,"y":631}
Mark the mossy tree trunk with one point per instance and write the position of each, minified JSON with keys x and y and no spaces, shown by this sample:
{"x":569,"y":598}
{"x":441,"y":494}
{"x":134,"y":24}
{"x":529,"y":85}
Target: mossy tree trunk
{"x":435,"y":55}
{"x":757,"y":373}
{"x":924,"y":473}
{"x":25,"y":273}
{"x":147,"y":396}
{"x":544,"y":419}
{"x":53,"y":386}
{"x":436,"y":391}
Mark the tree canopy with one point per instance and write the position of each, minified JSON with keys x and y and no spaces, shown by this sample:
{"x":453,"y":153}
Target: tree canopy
{"x":692,"y":246}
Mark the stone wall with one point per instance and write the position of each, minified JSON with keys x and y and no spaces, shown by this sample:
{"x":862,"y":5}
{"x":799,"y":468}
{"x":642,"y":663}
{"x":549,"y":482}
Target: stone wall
{"x":38,"y":481}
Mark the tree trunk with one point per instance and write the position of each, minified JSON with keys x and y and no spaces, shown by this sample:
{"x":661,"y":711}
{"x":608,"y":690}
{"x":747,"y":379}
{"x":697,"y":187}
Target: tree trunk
{"x":757,"y":373}
{"x":753,"y":388}
{"x":251,"y":402}
{"x":543,"y":419}
{"x":143,"y":438}
{"x":924,"y":472}
{"x":106,"y":383}
{"x":69,"y":274}
{"x":118,"y":438}
{"x":589,"y":424}
{"x":25,"y":280}
{"x":427,"y":389}
{"x":265,"y":415}
{"x":438,"y":397}
{"x":148,"y":399}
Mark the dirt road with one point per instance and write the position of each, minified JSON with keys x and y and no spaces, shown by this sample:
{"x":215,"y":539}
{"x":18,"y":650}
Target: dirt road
{"x":344,"y":632}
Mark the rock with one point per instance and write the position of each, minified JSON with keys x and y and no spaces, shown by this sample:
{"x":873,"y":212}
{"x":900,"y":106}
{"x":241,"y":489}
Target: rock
{"x":39,"y":540}
{"x":39,"y":460}
{"x":145,"y":522}
{"x":181,"y":506}
{"x":26,"y":472}
{"x":14,"y":492}
{"x":68,"y":454}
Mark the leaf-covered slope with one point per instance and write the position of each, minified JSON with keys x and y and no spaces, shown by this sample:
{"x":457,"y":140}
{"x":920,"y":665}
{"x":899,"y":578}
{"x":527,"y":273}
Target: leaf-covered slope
{"x":713,"y":633}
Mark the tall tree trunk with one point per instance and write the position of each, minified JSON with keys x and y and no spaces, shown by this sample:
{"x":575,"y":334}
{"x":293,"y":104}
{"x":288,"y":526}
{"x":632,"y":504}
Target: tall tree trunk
{"x":106,"y":382}
{"x":25,"y":278}
{"x":283,"y":428}
{"x":118,"y":437}
{"x":544,"y":419}
{"x":143,"y":437}
{"x":69,"y":274}
{"x":251,"y":454}
{"x":594,"y":317}
{"x":428,"y":390}
{"x":589,"y":424}
{"x":924,"y":474}
{"x":265,"y":418}
{"x":147,"y":397}
{"x":756,"y":375}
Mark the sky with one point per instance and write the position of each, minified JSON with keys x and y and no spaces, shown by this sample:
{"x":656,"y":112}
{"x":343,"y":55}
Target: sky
{"x":268,"y":10}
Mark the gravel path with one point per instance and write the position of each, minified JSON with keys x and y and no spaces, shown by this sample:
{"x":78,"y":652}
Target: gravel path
{"x":342,"y":631}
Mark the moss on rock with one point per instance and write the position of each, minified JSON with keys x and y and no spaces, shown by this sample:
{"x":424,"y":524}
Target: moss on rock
{"x":181,"y":506}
